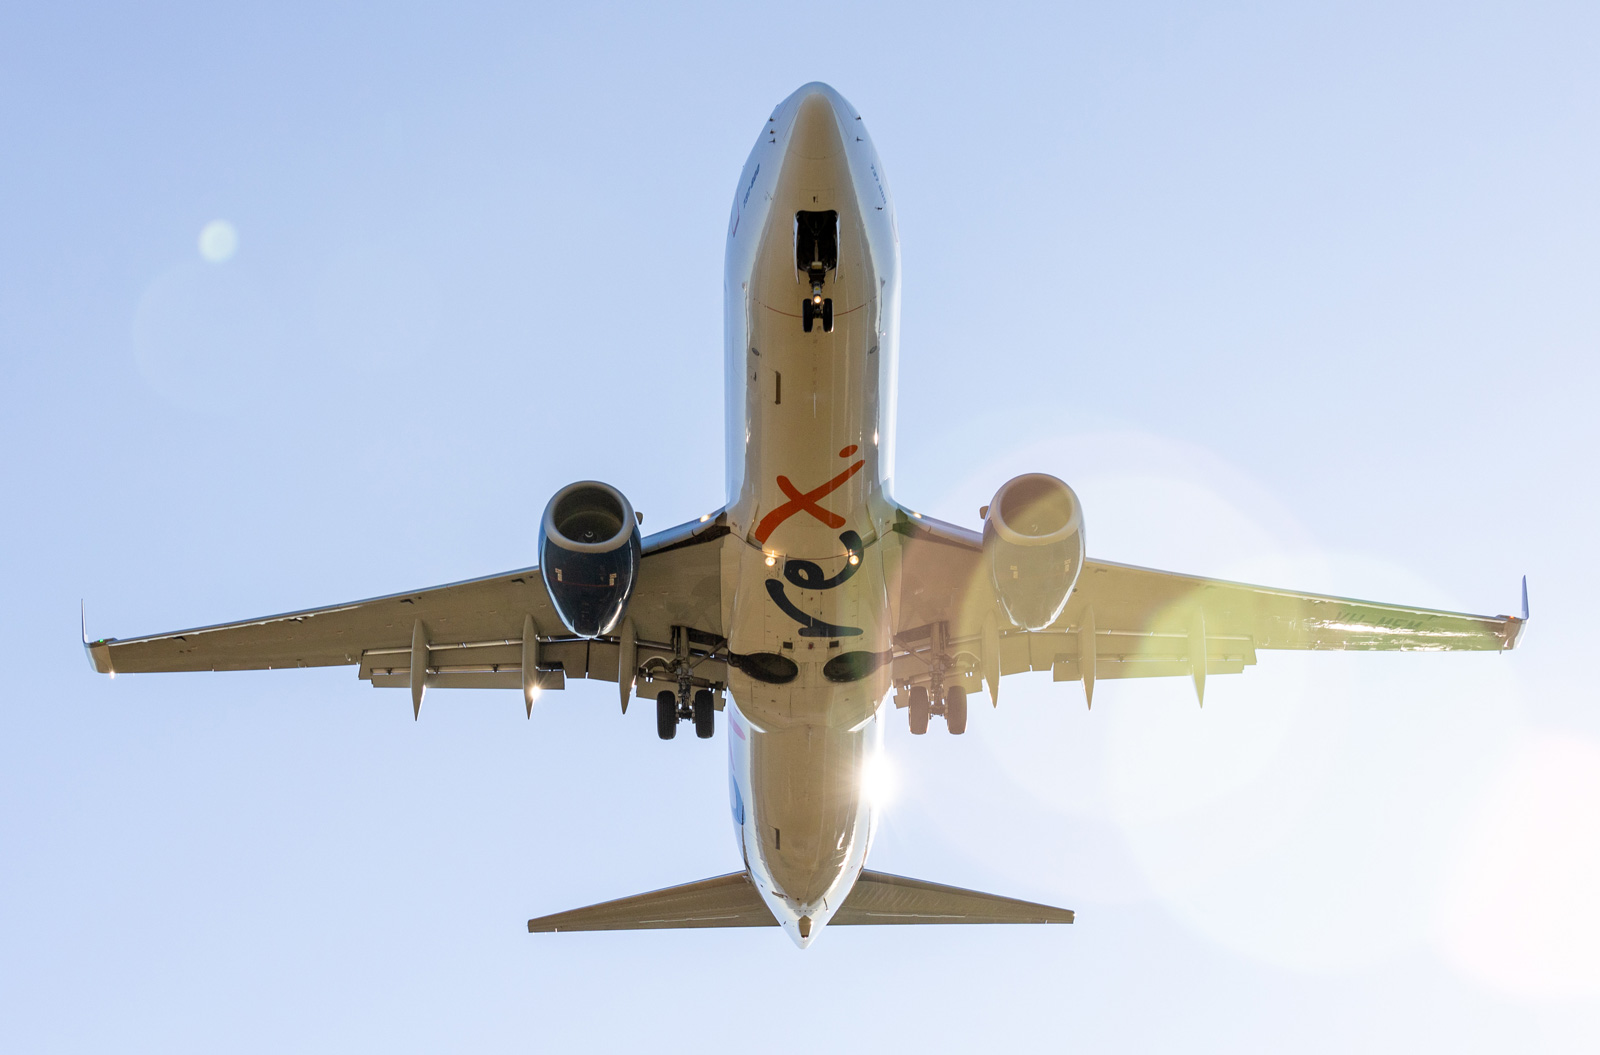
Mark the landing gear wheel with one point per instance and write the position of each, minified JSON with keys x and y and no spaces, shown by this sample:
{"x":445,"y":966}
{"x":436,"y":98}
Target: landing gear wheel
{"x":827,"y":315}
{"x":918,"y":710}
{"x":666,"y":714}
{"x":955,"y":709}
{"x":808,"y":314}
{"x":705,"y":714}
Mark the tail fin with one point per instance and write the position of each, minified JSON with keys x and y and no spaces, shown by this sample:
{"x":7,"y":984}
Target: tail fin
{"x":732,"y":901}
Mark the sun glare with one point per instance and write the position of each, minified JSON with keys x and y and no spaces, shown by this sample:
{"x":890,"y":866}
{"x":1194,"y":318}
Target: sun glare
{"x":877,"y":779}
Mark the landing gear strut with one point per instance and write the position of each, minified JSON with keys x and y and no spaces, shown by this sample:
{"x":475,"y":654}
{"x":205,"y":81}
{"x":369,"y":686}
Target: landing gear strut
{"x":816,"y":252}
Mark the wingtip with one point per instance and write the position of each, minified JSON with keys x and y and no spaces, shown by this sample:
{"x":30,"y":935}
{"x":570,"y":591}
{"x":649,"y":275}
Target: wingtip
{"x":98,"y":653}
{"x":83,"y":631}
{"x":1515,"y":625}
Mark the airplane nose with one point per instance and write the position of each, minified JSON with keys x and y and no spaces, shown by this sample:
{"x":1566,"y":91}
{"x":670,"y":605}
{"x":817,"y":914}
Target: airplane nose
{"x":816,"y":127}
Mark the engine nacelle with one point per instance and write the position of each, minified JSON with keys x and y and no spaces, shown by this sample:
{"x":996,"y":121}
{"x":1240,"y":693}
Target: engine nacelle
{"x":1033,"y":541}
{"x":589,"y":555}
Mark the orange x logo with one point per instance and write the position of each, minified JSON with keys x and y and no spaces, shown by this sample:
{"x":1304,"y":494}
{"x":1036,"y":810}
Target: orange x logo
{"x":807,"y":501}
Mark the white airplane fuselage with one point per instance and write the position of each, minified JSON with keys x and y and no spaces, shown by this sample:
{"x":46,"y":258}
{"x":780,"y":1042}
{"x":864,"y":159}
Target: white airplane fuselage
{"x":807,"y":559}
{"x":810,"y":423}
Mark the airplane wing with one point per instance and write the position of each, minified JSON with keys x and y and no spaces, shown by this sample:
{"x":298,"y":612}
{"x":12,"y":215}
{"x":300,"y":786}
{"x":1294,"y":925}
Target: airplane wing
{"x":1127,"y":622}
{"x":472,"y":634}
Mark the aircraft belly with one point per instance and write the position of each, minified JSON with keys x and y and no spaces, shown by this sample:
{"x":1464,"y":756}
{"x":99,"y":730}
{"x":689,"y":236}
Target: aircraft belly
{"x":812,"y":396}
{"x":799,"y":747}
{"x":806,"y":827}
{"x":806,"y":612}
{"x":838,"y":639}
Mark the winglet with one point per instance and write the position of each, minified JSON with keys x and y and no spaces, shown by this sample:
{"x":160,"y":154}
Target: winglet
{"x":1514,"y":625}
{"x":98,"y":652}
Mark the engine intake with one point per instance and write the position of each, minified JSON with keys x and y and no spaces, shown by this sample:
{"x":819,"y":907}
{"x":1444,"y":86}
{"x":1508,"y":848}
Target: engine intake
{"x":589,"y":554}
{"x":1033,"y":541}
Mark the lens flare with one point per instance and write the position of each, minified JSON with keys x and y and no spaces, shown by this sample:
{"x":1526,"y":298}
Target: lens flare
{"x":218,"y":241}
{"x":877,"y":779}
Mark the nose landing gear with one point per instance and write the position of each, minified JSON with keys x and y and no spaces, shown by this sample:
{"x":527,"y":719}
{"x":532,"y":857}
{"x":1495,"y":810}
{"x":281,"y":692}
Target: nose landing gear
{"x":817,"y":307}
{"x":816,"y":252}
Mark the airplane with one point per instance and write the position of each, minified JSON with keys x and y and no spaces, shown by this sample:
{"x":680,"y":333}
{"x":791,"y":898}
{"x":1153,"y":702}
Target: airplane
{"x":797,"y":608}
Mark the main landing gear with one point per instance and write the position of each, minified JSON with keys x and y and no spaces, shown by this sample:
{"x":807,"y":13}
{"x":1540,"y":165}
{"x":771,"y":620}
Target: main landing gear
{"x":687,"y":702}
{"x":701,"y":710}
{"x":931,"y":645}
{"x":953,"y":707}
{"x":666,"y":714}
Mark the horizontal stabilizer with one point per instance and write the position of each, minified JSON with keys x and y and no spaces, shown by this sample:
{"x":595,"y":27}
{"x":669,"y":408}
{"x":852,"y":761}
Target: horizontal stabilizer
{"x":732,"y":901}
{"x":726,"y":901}
{"x":882,"y":898}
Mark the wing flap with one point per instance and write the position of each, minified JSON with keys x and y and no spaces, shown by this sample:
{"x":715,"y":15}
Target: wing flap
{"x":498,"y":664}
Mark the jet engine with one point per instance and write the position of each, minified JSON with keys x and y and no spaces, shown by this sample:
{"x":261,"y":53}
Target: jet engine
{"x":589,"y":555}
{"x":1033,"y":542}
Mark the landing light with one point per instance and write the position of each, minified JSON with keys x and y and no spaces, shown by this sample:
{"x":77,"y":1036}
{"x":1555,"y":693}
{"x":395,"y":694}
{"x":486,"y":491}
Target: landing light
{"x":854,"y":559}
{"x":705,"y":517}
{"x":771,"y":560}
{"x":816,"y":298}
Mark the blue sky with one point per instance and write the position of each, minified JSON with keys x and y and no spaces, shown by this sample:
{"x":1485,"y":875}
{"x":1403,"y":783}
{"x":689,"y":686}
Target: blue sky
{"x":1299,"y":294}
